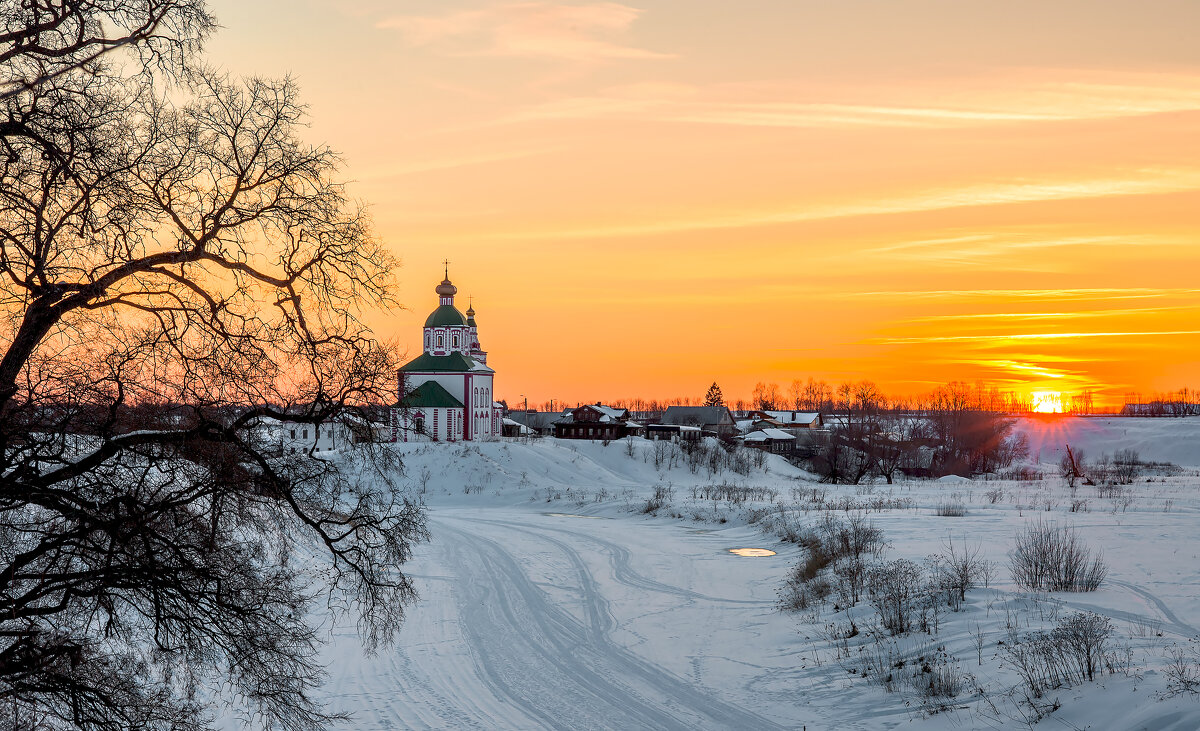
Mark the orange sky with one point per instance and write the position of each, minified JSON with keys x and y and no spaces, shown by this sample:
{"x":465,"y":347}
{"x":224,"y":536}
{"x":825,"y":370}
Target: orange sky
{"x":644,"y":198}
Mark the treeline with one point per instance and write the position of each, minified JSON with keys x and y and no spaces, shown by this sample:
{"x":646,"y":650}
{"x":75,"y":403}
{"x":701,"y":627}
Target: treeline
{"x":949,"y":432}
{"x":816,"y":395}
{"x":1184,"y":402}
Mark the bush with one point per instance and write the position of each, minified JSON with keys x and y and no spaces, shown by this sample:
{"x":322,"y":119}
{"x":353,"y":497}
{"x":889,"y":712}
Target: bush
{"x":1074,"y":651}
{"x":893,"y":586}
{"x":952,"y":509}
{"x":663,"y":494}
{"x":1183,"y":669}
{"x":1054,"y":558}
{"x":958,"y":569}
{"x":841,"y":546}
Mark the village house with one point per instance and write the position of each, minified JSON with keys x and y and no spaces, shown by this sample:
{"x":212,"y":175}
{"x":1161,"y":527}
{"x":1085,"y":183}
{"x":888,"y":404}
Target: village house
{"x":596,"y":421}
{"x":771,"y":440}
{"x":713,"y":419}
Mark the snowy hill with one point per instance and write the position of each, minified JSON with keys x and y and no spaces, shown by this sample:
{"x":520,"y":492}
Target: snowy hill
{"x":550,"y":598}
{"x":1159,"y":440}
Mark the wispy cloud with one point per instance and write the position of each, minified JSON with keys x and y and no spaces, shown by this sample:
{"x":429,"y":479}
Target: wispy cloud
{"x":968,"y":103}
{"x":961,"y":249}
{"x":1137,"y":182}
{"x":1012,"y":337}
{"x":1081,"y":293}
{"x":587,"y":32}
{"x":1013,"y":316}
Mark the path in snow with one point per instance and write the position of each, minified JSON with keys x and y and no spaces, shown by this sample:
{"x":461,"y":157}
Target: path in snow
{"x":516,"y":629}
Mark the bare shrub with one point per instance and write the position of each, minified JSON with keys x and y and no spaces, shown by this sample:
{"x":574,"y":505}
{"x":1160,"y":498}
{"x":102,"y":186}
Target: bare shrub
{"x":1183,"y":669}
{"x":842,"y":547}
{"x":960,"y":568}
{"x":1074,"y":651}
{"x":1053,"y":558}
{"x":952,"y":509}
{"x":994,"y":495}
{"x":663,"y":494}
{"x":893,"y":586}
{"x":799,"y":593}
{"x":1127,"y":466}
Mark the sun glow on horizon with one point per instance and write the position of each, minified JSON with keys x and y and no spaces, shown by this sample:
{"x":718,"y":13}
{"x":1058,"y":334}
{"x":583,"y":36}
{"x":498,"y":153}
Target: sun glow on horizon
{"x":1046,"y":402}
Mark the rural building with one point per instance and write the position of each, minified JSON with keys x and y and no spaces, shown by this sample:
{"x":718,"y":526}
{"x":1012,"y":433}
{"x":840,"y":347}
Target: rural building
{"x":714,"y":419}
{"x":596,"y":421}
{"x":771,"y":440}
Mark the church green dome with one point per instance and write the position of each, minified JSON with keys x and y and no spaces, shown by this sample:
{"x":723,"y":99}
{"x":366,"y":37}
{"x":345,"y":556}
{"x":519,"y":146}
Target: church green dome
{"x":446,"y":316}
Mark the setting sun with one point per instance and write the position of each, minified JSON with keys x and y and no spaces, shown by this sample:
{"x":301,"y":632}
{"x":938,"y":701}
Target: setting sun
{"x":1047,"y":402}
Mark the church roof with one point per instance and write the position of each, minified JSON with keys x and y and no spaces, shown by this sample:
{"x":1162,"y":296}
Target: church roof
{"x":430,"y":394}
{"x":446,"y":316}
{"x":454,"y":363}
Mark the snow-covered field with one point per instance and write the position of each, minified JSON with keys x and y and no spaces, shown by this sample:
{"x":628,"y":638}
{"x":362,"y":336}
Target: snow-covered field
{"x":549,"y":600}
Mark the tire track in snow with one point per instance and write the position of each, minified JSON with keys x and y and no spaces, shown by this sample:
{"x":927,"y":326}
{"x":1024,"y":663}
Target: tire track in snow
{"x":559,"y":671}
{"x":1159,"y":604}
{"x":623,"y":572}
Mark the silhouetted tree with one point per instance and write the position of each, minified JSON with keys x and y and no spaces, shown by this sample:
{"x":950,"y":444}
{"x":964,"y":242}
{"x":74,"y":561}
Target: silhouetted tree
{"x":177,"y":269}
{"x":714,"y":397}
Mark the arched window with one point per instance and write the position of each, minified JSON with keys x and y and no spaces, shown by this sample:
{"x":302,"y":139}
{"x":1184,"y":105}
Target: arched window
{"x":476,"y":397}
{"x":440,"y":341}
{"x":454,"y":341}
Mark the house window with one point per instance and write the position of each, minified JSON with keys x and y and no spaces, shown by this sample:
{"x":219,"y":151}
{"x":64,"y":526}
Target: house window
{"x":304,"y":435}
{"x":293,"y":433}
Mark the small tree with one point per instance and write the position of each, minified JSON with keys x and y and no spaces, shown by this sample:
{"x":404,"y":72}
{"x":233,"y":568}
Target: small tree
{"x":714,"y":396}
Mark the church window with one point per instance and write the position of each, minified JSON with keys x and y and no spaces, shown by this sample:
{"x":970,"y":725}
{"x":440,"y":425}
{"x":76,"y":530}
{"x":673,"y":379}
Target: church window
{"x":454,"y":340}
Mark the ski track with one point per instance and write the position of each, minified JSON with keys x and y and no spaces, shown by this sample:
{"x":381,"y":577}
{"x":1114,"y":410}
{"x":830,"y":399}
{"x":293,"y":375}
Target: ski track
{"x":558,"y":671}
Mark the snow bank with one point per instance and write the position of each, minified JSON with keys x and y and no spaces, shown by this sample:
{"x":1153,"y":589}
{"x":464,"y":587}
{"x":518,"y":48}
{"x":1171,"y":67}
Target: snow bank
{"x":1159,"y":440}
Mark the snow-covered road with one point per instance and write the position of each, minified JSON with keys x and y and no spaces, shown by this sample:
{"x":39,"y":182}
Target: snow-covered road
{"x":529,"y":620}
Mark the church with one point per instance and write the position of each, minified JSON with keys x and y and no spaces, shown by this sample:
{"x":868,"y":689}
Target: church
{"x":445,"y":394}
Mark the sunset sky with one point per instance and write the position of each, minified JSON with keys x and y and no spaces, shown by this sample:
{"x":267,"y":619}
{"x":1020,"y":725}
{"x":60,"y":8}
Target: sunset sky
{"x":644,"y":198}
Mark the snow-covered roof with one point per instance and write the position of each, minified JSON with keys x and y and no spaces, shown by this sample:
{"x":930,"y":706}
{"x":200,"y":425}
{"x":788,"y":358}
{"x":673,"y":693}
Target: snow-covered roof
{"x":521,"y":427}
{"x":763,"y":435}
{"x":794,"y":417}
{"x":608,"y":411}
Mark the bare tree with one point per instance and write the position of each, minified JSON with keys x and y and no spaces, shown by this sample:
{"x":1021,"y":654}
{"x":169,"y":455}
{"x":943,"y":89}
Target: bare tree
{"x":767,"y":396}
{"x":177,"y":270}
